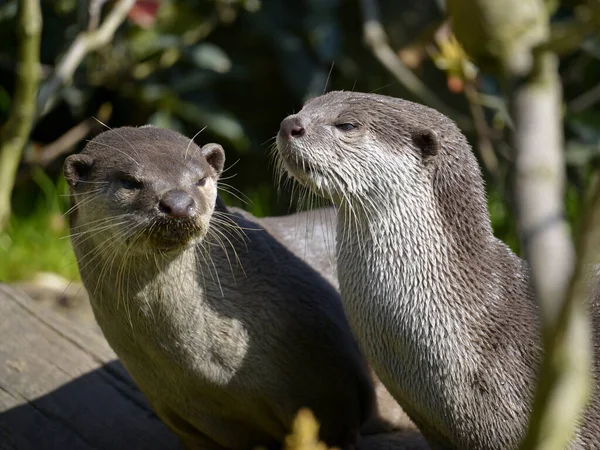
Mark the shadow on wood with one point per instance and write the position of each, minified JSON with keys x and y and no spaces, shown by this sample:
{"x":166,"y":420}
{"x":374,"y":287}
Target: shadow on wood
{"x":62,"y":387}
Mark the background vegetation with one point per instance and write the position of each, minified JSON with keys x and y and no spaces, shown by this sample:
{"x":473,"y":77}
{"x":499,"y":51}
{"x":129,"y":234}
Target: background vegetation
{"x":237,"y":67}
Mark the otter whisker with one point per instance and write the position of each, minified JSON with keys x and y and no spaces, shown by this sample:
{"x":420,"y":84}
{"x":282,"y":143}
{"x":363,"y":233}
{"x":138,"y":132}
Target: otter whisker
{"x":369,"y":209}
{"x":232,"y":190}
{"x":121,"y":292}
{"x":228,"y":222}
{"x":330,"y":236}
{"x":272,"y":138}
{"x":118,"y":150}
{"x":122,"y":284}
{"x":190,"y":142}
{"x":303,"y":196}
{"x":97,"y":256}
{"x":84,"y":236}
{"x":93,"y":182}
{"x":99,"y":227}
{"x":122,"y":137}
{"x":353,"y":216}
{"x":158,"y":305}
{"x":214,"y":240}
{"x":77,"y":205}
{"x":242,"y":237}
{"x":95,"y":222}
{"x":231,"y":166}
{"x":199,"y":250}
{"x":206,"y":256}
{"x":229,"y":225}
{"x":328,"y":77}
{"x":216,"y":234}
{"x":98,"y":249}
{"x":110,"y":252}
{"x":79,"y":195}
{"x":230,"y":177}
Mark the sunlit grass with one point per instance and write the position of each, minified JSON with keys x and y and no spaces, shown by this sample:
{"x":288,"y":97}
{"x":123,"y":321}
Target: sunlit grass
{"x":38,"y":241}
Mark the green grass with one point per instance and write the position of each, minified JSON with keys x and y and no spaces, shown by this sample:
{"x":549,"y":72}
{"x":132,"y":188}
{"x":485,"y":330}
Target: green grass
{"x":38,"y":240}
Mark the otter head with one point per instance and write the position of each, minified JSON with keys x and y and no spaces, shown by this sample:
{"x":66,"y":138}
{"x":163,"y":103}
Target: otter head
{"x":346,"y":141}
{"x":148,"y":186}
{"x":387,"y":155}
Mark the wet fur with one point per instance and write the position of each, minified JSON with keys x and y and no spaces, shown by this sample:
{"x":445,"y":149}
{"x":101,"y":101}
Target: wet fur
{"x":442,"y":309}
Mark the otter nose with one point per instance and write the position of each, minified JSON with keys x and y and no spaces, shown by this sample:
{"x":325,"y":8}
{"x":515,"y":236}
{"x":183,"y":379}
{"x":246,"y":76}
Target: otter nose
{"x":176,"y":203}
{"x":292,"y":127}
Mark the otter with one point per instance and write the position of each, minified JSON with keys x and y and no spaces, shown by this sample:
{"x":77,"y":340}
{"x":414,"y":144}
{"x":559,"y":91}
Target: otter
{"x":226,"y":332}
{"x":442,"y":309}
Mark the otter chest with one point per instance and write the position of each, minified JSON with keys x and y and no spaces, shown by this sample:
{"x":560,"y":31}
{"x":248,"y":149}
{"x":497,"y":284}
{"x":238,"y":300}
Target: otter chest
{"x":175,"y":338}
{"x":390,"y":307}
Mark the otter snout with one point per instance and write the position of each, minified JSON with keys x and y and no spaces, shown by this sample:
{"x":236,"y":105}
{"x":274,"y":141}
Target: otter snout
{"x":292,"y":127}
{"x":177,"y":204}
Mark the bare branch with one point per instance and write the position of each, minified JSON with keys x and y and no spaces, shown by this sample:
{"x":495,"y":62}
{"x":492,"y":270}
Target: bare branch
{"x":563,"y":387}
{"x":15,"y":132}
{"x":540,"y":176}
{"x":71,"y":138}
{"x":569,"y":35}
{"x":586,"y":100}
{"x":484,"y":141}
{"x":85,"y":43}
{"x":376,"y":38}
{"x":95,"y":10}
{"x":512,"y":38}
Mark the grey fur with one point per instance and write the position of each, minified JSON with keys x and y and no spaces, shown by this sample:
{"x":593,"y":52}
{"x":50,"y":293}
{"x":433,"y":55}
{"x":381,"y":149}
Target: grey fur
{"x":442,"y":308}
{"x":225,"y":350}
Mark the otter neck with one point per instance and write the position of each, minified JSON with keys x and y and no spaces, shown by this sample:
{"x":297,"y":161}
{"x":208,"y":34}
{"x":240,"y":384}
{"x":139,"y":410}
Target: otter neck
{"x":144,"y":289}
{"x":410,"y":266}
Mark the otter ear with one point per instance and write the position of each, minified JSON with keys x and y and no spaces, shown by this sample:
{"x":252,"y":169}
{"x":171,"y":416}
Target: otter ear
{"x":77,"y":168}
{"x":427,"y":141}
{"x":215,"y":156}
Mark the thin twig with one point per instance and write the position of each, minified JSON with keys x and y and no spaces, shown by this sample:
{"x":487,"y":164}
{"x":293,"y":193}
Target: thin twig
{"x":15,"y":132}
{"x":71,"y":138}
{"x":95,"y":10}
{"x":567,"y":36}
{"x":376,"y":38}
{"x":586,"y":100}
{"x":85,"y":43}
{"x":484,"y":142}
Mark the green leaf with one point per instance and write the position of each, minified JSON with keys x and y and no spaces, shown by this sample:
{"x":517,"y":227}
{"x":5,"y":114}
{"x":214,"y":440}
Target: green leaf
{"x":211,"y":57}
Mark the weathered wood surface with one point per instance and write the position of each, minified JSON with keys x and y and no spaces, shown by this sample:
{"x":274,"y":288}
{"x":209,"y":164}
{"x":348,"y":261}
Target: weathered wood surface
{"x":62,"y":387}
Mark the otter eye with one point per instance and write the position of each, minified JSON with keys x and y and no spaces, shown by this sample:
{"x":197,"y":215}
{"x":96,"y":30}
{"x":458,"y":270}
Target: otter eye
{"x":129,"y":183}
{"x":201,"y":182}
{"x":345,"y":126}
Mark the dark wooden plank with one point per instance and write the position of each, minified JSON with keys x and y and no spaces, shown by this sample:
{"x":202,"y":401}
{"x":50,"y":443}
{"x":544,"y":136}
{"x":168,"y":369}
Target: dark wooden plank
{"x":62,"y":387}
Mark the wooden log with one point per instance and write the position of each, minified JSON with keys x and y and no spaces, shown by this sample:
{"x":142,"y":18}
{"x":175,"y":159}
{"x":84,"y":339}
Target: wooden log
{"x":63,"y":388}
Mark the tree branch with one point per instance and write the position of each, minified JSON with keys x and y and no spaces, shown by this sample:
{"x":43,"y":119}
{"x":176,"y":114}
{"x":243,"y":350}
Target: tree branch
{"x":95,"y":9}
{"x":511,"y":38}
{"x":15,"y":132}
{"x":71,"y":138}
{"x":376,"y":38}
{"x":564,"y":382}
{"x":85,"y":43}
{"x":484,"y":140}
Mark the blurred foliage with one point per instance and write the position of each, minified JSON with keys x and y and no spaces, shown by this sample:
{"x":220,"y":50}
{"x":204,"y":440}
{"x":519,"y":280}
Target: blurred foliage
{"x":37,"y":235}
{"x":236,"y":68}
{"x":305,"y":433}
